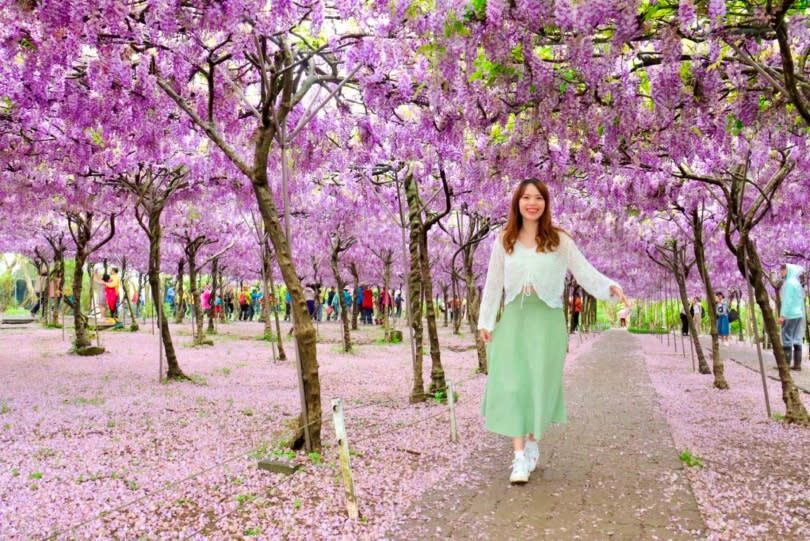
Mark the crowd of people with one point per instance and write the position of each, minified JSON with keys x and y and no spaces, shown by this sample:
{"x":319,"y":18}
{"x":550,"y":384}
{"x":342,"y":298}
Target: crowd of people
{"x":697,"y":315}
{"x":245,"y":302}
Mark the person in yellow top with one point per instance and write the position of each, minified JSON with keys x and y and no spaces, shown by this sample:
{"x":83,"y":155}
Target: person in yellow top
{"x":111,"y":283}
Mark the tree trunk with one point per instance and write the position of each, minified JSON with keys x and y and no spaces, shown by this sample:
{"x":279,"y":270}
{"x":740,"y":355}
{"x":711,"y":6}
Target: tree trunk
{"x":304,"y":329}
{"x":588,"y":311}
{"x":60,"y":294}
{"x":415,"y":304}
{"x":389,"y":301}
{"x":196,"y":303}
{"x":356,"y":280}
{"x":474,"y":308}
{"x":133,"y":326}
{"x":59,"y":279}
{"x":213,"y":297}
{"x":700,"y":259}
{"x":82,"y":340}
{"x":795,"y":411}
{"x":282,"y":355}
{"x":447,"y":307}
{"x":179,"y":302}
{"x":680,"y":279}
{"x":173,"y":371}
{"x":437,"y":380}
{"x":82,"y":230}
{"x":456,"y":295}
{"x":344,"y":316}
{"x":265,"y":302}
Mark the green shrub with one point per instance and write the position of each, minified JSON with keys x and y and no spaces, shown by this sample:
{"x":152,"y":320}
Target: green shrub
{"x":636,"y":330}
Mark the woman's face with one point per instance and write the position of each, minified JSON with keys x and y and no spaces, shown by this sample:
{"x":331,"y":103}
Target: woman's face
{"x":532,"y":204}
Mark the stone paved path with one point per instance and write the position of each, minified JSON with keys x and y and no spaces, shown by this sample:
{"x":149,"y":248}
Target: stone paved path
{"x":746,"y":354}
{"x":612,"y":472}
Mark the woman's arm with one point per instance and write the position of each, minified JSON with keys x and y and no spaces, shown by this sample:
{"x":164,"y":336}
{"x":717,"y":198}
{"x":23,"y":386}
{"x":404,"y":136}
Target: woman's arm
{"x":594,"y":282}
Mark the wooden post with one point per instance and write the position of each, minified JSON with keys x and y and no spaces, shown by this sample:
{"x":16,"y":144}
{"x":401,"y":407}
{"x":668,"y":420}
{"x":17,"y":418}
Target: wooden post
{"x":160,"y":357}
{"x":93,"y":307}
{"x":160,"y":344}
{"x":345,"y":463}
{"x":451,"y":402}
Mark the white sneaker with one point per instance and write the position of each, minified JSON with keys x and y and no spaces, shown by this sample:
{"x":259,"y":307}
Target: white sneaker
{"x":520,"y":471}
{"x":532,"y":453}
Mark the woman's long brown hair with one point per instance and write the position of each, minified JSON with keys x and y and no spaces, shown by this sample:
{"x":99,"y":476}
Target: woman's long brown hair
{"x":548,"y":235}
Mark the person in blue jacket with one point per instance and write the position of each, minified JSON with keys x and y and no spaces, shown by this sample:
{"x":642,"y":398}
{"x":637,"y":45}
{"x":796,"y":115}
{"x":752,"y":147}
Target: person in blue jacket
{"x":791,"y":314}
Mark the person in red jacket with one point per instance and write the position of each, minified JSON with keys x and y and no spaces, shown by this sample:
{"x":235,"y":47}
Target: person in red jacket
{"x":368,"y":305}
{"x":385,"y":304}
{"x":575,"y":306}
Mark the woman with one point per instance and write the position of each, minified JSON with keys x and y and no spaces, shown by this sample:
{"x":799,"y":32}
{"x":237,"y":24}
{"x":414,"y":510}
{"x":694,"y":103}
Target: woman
{"x":111,"y":283}
{"x":526,"y":351}
{"x":723,"y":327}
{"x":624,"y":313}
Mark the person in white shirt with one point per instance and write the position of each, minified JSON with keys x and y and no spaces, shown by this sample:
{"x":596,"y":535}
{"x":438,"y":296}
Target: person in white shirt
{"x":526,"y":350}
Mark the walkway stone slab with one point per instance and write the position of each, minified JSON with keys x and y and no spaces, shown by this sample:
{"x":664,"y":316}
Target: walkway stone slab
{"x":612,"y":472}
{"x":746,"y":354}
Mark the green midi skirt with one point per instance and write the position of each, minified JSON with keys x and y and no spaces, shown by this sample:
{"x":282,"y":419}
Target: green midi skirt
{"x":524,"y":392}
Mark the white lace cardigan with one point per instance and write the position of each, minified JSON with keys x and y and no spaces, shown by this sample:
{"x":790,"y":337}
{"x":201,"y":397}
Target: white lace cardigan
{"x":544,"y":271}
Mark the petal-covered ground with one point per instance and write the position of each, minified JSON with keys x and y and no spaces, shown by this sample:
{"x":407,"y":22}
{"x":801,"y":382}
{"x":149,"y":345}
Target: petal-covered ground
{"x":754,"y":482}
{"x":96,"y":447}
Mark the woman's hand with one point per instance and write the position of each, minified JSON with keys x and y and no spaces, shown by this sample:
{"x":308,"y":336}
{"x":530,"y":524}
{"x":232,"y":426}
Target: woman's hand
{"x":617,"y":291}
{"x":485,"y":335}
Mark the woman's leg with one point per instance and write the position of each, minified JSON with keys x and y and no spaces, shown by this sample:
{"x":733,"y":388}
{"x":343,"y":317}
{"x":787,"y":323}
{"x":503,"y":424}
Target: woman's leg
{"x":532,"y":451}
{"x":518,"y":444}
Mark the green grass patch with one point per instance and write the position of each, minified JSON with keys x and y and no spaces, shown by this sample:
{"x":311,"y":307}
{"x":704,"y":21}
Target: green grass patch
{"x":691,"y":460}
{"x":198,"y":380}
{"x":289,"y":454}
{"x":440,"y":397}
{"x":82,"y":401}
